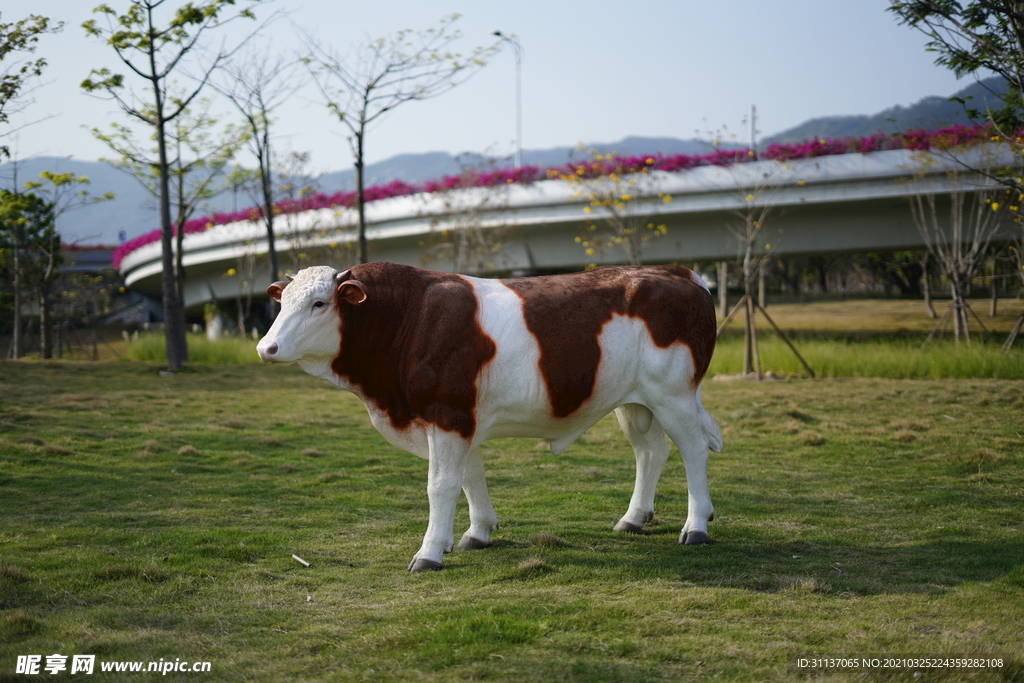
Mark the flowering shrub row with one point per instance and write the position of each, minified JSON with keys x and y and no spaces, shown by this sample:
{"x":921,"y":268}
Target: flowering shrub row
{"x":914,"y":140}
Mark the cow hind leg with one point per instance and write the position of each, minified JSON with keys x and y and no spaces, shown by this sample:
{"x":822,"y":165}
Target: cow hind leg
{"x":688,"y":426}
{"x":482,"y":520}
{"x":651,"y":451}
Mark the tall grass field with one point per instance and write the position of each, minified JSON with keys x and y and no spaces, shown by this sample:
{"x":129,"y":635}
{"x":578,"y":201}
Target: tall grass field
{"x":151,"y":348}
{"x":154,"y":518}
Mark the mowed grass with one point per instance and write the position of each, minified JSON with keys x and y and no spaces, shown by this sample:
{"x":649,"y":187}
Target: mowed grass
{"x":146,"y":517}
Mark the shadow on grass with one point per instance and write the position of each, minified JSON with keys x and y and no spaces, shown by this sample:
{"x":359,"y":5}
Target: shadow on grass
{"x":836,"y":566}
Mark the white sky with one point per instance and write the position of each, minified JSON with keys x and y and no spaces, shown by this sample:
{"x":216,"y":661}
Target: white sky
{"x":593,"y":71}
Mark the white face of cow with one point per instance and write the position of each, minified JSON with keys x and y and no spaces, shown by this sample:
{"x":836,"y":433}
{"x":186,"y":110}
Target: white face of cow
{"x":306,"y":329}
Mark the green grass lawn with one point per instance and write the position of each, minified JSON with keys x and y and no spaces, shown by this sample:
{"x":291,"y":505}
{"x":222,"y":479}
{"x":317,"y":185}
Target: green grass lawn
{"x":145,"y":517}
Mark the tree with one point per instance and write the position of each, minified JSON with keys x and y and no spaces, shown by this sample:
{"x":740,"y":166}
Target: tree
{"x":20,"y":36}
{"x":155,"y":54}
{"x":26,"y":225}
{"x":1017,"y":252}
{"x":257,"y":84}
{"x":387,"y":73}
{"x":759,"y":187}
{"x":199,"y":161}
{"x":958,"y":236}
{"x":623,"y":197}
{"x":465,"y":232}
{"x":973,"y":37}
{"x":901,"y":270}
{"x":59,"y":189}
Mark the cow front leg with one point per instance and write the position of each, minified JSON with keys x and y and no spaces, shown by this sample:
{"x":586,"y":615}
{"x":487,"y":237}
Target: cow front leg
{"x":482,"y":520}
{"x":651,"y":451}
{"x":445,"y":465}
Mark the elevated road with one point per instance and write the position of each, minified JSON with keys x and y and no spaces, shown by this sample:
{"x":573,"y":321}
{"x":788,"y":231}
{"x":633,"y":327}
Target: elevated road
{"x":832,"y":204}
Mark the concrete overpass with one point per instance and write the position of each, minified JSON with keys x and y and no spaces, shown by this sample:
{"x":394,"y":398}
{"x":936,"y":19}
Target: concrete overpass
{"x":832,"y":204}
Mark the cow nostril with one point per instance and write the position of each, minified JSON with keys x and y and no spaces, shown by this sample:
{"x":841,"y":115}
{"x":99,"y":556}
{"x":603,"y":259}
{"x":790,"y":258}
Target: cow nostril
{"x":272,"y":350}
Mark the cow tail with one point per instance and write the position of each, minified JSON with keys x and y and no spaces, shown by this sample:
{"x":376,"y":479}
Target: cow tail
{"x":709,"y":426}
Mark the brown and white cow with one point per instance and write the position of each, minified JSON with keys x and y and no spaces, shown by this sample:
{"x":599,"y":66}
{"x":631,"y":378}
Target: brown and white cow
{"x":445,"y":362}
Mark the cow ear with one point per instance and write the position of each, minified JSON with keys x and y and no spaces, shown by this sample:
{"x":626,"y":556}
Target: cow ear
{"x":352,"y":291}
{"x":275,"y":290}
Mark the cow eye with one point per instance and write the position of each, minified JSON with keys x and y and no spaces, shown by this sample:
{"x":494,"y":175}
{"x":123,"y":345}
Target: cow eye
{"x":318,"y":304}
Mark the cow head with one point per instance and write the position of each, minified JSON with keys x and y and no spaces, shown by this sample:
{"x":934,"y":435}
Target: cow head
{"x":307,"y":328}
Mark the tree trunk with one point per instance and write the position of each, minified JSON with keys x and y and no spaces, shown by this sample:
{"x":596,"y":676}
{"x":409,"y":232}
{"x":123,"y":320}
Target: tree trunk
{"x":926,"y":281}
{"x":723,"y":287}
{"x":174,"y":332}
{"x":268,"y":210}
{"x":761,"y":287}
{"x":994,"y":300}
{"x":364,"y":256}
{"x":748,"y":291}
{"x":959,"y":314}
{"x":179,"y":263}
{"x":45,"y":325}
{"x":16,"y":349}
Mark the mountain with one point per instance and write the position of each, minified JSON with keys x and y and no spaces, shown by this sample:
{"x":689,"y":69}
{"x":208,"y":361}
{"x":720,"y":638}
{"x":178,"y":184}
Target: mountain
{"x":131,"y":208}
{"x":927,"y":113}
{"x":134,"y":211}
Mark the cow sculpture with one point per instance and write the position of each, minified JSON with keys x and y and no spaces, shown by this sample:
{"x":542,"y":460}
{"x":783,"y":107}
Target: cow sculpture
{"x":445,"y":362}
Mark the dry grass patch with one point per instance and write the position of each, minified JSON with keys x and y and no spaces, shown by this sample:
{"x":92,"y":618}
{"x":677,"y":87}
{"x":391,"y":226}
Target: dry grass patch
{"x":546,"y":540}
{"x":811,"y":438}
{"x":912,"y":425}
{"x":984,"y":456}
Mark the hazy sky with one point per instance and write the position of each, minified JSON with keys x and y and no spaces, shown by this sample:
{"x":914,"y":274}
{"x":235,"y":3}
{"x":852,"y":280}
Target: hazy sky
{"x":592,"y":71}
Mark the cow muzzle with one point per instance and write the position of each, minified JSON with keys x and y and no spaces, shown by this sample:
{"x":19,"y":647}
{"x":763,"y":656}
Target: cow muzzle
{"x":269,"y":352}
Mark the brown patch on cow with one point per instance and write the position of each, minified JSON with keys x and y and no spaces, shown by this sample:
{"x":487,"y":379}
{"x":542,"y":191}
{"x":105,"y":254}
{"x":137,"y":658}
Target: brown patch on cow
{"x":413,"y":345}
{"x":566,"y":313}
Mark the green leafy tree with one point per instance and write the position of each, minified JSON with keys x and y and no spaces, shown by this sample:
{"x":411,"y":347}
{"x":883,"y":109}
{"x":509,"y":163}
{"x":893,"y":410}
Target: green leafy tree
{"x":154,"y":54}
{"x":389,"y":72}
{"x":65,"y":192}
{"x":972,"y":38}
{"x":199,"y":162}
{"x":975,"y":37}
{"x":26,"y":231}
{"x":15,"y":75}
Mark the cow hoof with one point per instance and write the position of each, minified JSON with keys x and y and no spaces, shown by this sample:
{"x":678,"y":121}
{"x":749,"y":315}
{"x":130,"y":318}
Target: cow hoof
{"x":420,"y":565}
{"x":693,"y":538}
{"x":470,"y":543}
{"x":629,"y":528}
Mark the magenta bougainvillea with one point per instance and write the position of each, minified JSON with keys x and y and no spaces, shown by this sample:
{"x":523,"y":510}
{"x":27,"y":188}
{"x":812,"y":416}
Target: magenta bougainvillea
{"x":913,"y":139}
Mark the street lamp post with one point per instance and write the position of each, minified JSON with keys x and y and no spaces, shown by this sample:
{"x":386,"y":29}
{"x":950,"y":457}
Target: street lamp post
{"x":512,"y":40}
